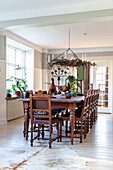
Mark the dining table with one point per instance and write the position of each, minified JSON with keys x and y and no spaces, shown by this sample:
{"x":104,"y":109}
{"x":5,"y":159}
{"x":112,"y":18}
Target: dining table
{"x":67,"y":103}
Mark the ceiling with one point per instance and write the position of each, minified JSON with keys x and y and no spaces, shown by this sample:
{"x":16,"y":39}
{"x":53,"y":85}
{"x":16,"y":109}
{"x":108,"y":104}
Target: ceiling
{"x":47,"y":24}
{"x":82,"y":35}
{"x":11,"y":9}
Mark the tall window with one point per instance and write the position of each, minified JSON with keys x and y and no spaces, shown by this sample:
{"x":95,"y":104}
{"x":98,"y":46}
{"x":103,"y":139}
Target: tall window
{"x":15,"y":63}
{"x":102,"y":85}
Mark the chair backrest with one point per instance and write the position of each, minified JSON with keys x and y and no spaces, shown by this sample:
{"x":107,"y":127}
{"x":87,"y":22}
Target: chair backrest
{"x":90,"y":101}
{"x":85,"y":108}
{"x":40,"y":106}
{"x":97,"y":96}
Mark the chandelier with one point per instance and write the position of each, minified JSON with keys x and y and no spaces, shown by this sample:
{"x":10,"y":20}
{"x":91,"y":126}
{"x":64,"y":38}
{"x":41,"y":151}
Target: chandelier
{"x":60,"y":64}
{"x":63,"y":59}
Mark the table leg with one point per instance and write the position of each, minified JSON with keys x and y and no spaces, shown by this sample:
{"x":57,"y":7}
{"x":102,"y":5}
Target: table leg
{"x":72,"y":121}
{"x":26,"y":118}
{"x":24,"y":129}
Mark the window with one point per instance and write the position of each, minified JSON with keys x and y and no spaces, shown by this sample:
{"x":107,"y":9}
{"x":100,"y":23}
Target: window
{"x":15,"y":63}
{"x":102,"y":85}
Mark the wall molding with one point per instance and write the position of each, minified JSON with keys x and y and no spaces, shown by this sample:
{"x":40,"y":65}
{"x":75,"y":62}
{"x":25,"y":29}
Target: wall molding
{"x":21,"y":40}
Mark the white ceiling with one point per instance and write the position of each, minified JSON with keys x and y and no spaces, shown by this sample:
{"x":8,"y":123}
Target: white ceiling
{"x":47,"y":22}
{"x":16,"y":9}
{"x":99,"y":34}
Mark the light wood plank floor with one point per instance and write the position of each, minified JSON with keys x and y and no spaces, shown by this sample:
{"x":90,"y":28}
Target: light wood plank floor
{"x":98,"y":144}
{"x":99,"y":141}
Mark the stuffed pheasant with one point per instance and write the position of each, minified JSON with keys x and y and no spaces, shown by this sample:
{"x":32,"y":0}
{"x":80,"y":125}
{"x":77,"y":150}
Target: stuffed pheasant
{"x":52,"y":88}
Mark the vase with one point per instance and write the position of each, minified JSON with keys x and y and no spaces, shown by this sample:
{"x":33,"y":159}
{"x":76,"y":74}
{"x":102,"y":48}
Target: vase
{"x":8,"y":95}
{"x":25,"y":94}
{"x":17,"y":93}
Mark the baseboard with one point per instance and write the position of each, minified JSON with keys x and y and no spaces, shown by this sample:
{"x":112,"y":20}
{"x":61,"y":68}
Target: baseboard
{"x":3,"y":122}
{"x":15,"y":118}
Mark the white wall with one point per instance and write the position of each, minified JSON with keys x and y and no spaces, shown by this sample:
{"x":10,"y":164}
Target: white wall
{"x":34,"y":71}
{"x":30,"y":69}
{"x":2,"y":92}
{"x":2,"y":80}
{"x":37,"y":70}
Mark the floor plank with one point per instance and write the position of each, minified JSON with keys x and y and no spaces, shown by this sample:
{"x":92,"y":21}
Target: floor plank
{"x":97,"y":146}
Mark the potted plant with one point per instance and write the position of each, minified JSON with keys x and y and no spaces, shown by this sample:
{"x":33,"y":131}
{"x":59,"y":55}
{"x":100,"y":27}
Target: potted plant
{"x":19,"y":86}
{"x":73,"y":84}
{"x":8,"y":93}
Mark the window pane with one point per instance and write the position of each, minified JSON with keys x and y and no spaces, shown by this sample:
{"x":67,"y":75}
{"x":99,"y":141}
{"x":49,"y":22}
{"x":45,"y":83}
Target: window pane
{"x":11,"y":71}
{"x":11,"y":55}
{"x":102,"y":85}
{"x":19,"y":58}
{"x":19,"y":73}
{"x":15,"y":57}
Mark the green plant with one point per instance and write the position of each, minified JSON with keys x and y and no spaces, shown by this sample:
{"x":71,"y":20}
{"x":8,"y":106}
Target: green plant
{"x":70,"y":77}
{"x":18,"y":84}
{"x":73,"y":84}
{"x":8,"y":91}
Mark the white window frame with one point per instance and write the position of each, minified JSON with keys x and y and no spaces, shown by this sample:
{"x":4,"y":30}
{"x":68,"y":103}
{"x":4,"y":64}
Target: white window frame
{"x":14,"y":64}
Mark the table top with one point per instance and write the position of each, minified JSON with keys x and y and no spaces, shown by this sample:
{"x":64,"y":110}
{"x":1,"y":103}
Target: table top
{"x":77,"y":99}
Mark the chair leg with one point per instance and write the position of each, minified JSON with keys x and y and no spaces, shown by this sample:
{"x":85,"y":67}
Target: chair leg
{"x":24,"y":130}
{"x":50,"y":135}
{"x":91,"y":120}
{"x":42,"y":131}
{"x":81,"y":132}
{"x":31,"y":133}
{"x":58,"y":132}
{"x":51,"y":129}
{"x":66,"y":127}
{"x":95,"y":115}
{"x":84,"y":129}
{"x":61,"y":131}
{"x":34,"y":127}
{"x":87,"y":124}
{"x":38,"y":131}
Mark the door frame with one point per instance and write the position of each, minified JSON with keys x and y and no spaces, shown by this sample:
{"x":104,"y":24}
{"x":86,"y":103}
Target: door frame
{"x":105,"y":63}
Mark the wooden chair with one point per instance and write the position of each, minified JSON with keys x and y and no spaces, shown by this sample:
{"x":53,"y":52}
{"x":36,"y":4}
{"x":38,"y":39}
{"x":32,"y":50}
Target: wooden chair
{"x":96,"y":104}
{"x":89,"y":113}
{"x":81,"y":119}
{"x":90,"y":92}
{"x":41,"y":114}
{"x":64,"y":119}
{"x":81,"y":116}
{"x":91,"y":109}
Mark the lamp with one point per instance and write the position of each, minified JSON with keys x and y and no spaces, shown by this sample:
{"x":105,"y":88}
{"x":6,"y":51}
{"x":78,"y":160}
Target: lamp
{"x":62,"y":60}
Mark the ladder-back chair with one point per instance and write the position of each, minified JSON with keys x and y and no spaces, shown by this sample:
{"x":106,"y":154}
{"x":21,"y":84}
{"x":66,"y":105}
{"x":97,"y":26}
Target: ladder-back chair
{"x":41,"y":114}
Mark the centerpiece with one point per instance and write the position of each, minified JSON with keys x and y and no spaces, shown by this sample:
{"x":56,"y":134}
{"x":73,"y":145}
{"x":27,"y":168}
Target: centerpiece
{"x":72,"y":84}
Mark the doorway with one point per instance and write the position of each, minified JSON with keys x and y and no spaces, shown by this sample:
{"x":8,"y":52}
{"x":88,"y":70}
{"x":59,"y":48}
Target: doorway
{"x":102,"y":76}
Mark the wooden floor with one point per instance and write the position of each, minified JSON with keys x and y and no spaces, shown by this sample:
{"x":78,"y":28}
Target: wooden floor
{"x":98,"y":144}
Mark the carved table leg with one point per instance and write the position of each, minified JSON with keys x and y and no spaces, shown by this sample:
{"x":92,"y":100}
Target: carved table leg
{"x":72,"y":120}
{"x":26,"y":118}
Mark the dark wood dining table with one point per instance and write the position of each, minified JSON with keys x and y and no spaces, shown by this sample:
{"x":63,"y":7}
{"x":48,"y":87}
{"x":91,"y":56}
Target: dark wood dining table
{"x":55,"y":103}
